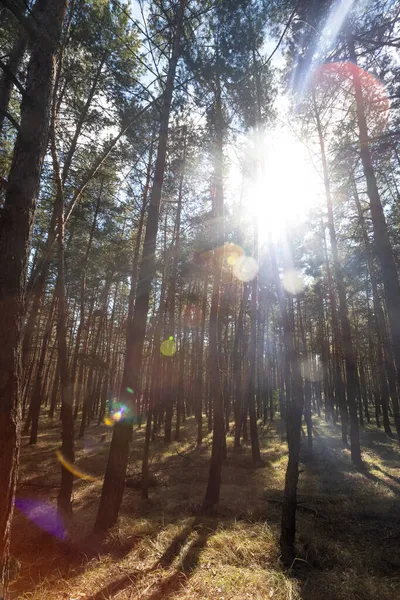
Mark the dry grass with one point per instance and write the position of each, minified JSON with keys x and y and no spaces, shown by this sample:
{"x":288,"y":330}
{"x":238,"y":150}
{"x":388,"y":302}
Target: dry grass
{"x":348,"y":524}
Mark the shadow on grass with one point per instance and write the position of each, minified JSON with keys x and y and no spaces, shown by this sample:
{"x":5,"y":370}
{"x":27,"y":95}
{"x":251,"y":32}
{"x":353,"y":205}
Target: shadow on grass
{"x":371,"y":477}
{"x":170,"y":585}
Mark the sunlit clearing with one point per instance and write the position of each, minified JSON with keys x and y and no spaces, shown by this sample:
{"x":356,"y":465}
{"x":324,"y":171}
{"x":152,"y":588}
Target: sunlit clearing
{"x":283,"y":189}
{"x":73,"y":468}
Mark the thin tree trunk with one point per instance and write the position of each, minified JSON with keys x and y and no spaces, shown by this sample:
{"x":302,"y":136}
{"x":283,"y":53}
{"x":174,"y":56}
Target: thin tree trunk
{"x":218,"y":440}
{"x":114,"y":480}
{"x":348,"y":348}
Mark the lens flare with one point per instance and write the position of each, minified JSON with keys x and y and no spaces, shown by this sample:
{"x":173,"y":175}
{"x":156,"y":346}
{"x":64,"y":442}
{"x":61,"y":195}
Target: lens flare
{"x":375,"y":96}
{"x":168,"y":347}
{"x":233,"y":253}
{"x":245,"y":268}
{"x":118,"y":412}
{"x":293,"y":282}
{"x":117,"y":416}
{"x":73,"y":468}
{"x":43,"y":514}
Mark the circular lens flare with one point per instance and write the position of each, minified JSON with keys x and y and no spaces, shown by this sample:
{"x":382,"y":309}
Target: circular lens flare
{"x":245,"y":268}
{"x":233,"y":253}
{"x":293,"y":282}
{"x":168,"y":347}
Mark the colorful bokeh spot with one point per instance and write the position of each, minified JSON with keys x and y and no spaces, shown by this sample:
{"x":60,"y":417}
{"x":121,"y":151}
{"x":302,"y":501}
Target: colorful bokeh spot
{"x":73,"y":468}
{"x":245,"y":268}
{"x":118,"y":412}
{"x":233,"y":253}
{"x":130,"y":390}
{"x":43,"y":514}
{"x":168,"y":347}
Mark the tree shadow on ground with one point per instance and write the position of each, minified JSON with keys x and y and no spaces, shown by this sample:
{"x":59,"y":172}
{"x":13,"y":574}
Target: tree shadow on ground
{"x":371,"y":477}
{"x":353,"y":537}
{"x":386,"y":474}
{"x":187,"y":566}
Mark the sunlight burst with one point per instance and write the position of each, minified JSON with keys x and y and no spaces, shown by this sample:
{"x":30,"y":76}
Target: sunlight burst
{"x":282,"y":193}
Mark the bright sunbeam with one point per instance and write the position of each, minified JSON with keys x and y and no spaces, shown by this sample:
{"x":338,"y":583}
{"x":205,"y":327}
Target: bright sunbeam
{"x":336,"y":20}
{"x":280,"y":195}
{"x":327,"y":37}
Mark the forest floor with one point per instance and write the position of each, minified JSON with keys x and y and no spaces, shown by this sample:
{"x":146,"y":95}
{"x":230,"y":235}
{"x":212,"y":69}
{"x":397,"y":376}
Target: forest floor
{"x":348,"y":530}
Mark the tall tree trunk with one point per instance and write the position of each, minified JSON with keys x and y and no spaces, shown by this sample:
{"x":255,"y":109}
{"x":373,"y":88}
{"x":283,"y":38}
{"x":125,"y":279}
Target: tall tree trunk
{"x":348,"y":348}
{"x":381,"y":235}
{"x":218,"y":440}
{"x":294,"y":410}
{"x":172,"y":360}
{"x":114,"y":480}
{"x":251,"y":391}
{"x":37,"y":393}
{"x":15,"y":229}
{"x":67,"y":420}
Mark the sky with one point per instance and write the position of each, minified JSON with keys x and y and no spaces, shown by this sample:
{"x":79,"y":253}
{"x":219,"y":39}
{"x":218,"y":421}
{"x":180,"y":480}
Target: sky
{"x":290,"y":185}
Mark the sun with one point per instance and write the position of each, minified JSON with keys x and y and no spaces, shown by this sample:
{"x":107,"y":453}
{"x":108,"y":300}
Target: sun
{"x":283,"y":186}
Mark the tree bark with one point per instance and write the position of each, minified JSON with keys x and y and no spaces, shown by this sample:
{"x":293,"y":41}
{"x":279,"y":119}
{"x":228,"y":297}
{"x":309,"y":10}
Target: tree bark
{"x":348,"y":348}
{"x":218,"y":440}
{"x":15,"y":230}
{"x":381,"y":235}
{"x":114,"y":480}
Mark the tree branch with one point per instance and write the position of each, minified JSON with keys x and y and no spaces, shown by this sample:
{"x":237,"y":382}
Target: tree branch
{"x":10,"y":118}
{"x":12,"y":77}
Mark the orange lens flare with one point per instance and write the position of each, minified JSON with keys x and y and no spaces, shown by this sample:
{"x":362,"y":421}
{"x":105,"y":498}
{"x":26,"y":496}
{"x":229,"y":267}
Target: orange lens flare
{"x":73,"y":468}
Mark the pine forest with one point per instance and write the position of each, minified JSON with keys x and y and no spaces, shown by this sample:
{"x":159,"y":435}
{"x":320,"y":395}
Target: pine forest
{"x":199,"y":299}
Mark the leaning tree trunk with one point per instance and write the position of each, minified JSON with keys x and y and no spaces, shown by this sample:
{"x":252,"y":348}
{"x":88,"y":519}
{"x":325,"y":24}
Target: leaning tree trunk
{"x":114,"y":480}
{"x":15,"y":229}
